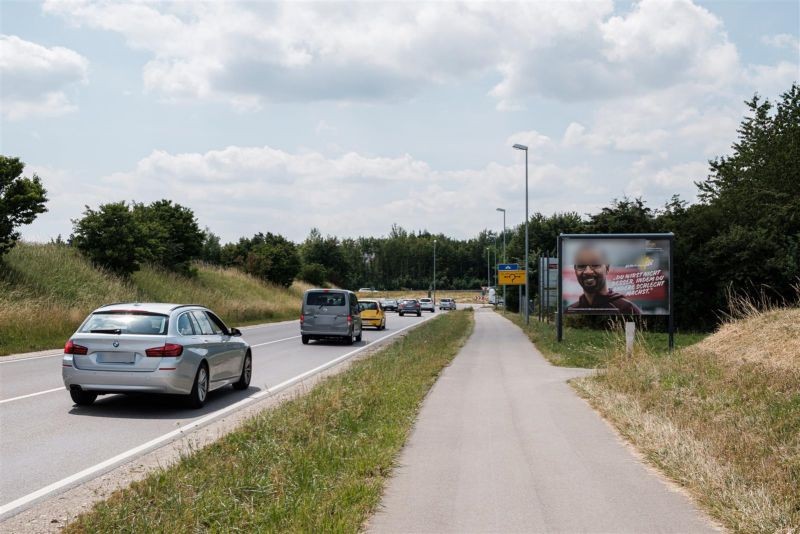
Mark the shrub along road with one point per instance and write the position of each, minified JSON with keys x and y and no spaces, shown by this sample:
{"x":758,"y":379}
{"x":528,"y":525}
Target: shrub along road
{"x":46,"y":440}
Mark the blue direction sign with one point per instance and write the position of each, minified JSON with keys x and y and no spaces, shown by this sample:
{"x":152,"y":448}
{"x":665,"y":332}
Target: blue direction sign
{"x":508,"y":267}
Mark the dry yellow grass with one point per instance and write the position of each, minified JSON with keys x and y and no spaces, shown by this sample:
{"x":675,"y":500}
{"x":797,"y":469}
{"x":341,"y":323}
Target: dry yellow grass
{"x":722,"y":417}
{"x":47,"y":290}
{"x":771,"y":338}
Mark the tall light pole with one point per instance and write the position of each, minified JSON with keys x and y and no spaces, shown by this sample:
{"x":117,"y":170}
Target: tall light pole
{"x":488,"y":275}
{"x":434,"y":275}
{"x":527,"y":295}
{"x":505,"y":260}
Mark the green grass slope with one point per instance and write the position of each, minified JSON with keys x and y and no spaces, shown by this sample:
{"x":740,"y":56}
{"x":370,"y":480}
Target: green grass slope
{"x":46,"y":290}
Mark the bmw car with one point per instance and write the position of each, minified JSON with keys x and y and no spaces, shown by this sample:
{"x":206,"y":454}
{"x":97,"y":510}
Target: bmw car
{"x":154,"y":348}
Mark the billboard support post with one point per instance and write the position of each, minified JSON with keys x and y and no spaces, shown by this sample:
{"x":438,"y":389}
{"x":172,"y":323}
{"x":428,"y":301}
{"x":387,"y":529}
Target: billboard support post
{"x":560,"y":303}
{"x":671,"y":326}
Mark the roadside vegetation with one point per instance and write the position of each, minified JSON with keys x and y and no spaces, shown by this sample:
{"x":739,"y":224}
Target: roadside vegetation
{"x":47,"y":290}
{"x":316,"y":463}
{"x":593,"y":347}
{"x":721,"y":418}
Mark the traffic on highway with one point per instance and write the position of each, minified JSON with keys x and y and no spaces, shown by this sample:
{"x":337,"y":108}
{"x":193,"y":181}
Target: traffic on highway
{"x":50,"y":442}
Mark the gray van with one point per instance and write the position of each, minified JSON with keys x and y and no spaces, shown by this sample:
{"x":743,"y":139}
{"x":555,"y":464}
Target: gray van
{"x":330,"y":313}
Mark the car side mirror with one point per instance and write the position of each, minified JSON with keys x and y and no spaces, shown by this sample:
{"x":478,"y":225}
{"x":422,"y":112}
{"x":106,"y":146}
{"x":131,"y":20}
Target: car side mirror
{"x":236,"y":332}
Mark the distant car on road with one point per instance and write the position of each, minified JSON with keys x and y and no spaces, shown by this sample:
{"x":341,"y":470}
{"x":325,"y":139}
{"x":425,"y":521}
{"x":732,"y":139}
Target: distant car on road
{"x":367,"y":290}
{"x":330,"y":313}
{"x":409,"y":306}
{"x":389,"y":304}
{"x":154,"y":348}
{"x":447,"y":304}
{"x":372,"y":314}
{"x":426,"y":304}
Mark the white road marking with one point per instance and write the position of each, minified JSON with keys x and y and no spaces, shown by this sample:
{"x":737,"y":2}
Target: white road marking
{"x":15,"y":360}
{"x":95,"y":469}
{"x":271,"y":342}
{"x":32,"y":394}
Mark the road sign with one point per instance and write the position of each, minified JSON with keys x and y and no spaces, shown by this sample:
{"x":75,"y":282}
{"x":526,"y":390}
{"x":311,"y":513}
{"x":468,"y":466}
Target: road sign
{"x":511,"y":278}
{"x":508,"y":267}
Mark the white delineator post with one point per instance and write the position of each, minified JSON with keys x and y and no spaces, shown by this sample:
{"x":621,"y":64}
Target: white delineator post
{"x":630,"y":337}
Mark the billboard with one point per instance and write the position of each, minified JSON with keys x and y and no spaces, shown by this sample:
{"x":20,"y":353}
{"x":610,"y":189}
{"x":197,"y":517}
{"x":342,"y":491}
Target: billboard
{"x":616,"y":274}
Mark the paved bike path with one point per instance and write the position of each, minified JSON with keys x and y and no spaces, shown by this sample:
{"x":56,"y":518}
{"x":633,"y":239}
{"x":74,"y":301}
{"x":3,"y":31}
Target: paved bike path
{"x":503,"y":444}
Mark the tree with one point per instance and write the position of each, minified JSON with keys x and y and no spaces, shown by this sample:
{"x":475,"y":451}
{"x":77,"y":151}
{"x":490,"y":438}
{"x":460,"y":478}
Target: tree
{"x":313,"y":273}
{"x":270,"y":257}
{"x":170,"y":235}
{"x":21,"y":200}
{"x":212,"y":249}
{"x":109,"y":237}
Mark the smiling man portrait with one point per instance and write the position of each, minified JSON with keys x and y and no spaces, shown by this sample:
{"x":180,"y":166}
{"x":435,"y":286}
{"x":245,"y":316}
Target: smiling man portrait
{"x":591,"y":269}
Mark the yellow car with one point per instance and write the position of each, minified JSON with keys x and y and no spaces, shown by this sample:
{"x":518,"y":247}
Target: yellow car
{"x":372,"y":314}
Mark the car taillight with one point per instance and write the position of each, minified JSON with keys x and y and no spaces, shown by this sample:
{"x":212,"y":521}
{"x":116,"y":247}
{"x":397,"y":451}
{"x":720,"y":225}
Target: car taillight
{"x":72,"y":348}
{"x":168,"y":350}
{"x":349,"y":319}
{"x":302,"y":318}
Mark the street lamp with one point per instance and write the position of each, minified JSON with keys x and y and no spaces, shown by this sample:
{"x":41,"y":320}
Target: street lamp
{"x":488,"y":275}
{"x":527,"y":295}
{"x":505,"y":260}
{"x":434,"y":275}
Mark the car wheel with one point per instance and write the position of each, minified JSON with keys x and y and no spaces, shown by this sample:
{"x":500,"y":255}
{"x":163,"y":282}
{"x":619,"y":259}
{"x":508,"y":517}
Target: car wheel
{"x":419,"y":314}
{"x":304,"y":339}
{"x":349,"y":339}
{"x":401,"y":314}
{"x":197,"y":397}
{"x":358,"y":337}
{"x":82,"y":398}
{"x":247,"y":372}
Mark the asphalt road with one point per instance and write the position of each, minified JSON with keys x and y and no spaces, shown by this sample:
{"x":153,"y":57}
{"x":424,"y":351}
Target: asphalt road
{"x":503,"y":444}
{"x":45,"y":440}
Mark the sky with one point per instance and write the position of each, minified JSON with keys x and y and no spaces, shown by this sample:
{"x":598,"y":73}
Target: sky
{"x":351,"y":117}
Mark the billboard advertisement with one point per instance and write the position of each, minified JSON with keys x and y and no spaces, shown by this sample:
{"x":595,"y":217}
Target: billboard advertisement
{"x":610,"y":274}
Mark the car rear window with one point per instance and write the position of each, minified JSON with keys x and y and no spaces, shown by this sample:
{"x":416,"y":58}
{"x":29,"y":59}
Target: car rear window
{"x":126,"y":322}
{"x":328,"y":298}
{"x":368,"y":305}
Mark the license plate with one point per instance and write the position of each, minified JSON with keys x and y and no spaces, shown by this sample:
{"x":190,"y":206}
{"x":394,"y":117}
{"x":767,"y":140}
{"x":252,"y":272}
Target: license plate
{"x":116,"y":357}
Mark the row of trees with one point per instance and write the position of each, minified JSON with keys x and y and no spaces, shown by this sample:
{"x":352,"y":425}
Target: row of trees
{"x":743,"y":235}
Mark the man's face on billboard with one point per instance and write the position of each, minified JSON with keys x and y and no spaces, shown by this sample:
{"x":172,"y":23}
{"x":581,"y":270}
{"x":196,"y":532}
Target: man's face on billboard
{"x":591,"y":269}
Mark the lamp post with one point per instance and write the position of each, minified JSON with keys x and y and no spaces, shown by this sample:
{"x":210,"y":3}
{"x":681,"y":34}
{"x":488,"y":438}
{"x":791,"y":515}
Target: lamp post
{"x":505,"y":260}
{"x":527,"y":295}
{"x":434,"y":275}
{"x":488,"y":275}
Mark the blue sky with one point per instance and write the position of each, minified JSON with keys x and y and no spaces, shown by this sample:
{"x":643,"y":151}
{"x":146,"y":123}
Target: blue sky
{"x":353,"y":116}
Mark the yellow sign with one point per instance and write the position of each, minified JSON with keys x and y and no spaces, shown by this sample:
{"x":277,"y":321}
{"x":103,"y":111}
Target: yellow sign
{"x":511,"y":278}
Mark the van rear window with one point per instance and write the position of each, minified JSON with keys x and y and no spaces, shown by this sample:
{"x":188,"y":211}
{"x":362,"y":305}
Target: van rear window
{"x":330,"y":298}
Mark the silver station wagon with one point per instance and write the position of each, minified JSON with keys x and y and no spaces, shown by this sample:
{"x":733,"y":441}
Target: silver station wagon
{"x":154,"y":348}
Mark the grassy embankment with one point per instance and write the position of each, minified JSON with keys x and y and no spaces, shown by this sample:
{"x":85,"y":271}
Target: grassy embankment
{"x":721,"y":418}
{"x":591,"y":348}
{"x":317,"y":463}
{"x":47,"y":290}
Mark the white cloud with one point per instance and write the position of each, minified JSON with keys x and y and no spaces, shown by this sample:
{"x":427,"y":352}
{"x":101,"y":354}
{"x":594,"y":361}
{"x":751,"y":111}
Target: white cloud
{"x":35,"y":79}
{"x":782,"y":40}
{"x":536,"y":142}
{"x":238,"y":191}
{"x":249,"y":53}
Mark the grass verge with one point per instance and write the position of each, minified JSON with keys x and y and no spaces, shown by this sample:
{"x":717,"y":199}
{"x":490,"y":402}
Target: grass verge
{"x":725,"y":427}
{"x":592,"y":348}
{"x":46,"y":290}
{"x":317,"y":463}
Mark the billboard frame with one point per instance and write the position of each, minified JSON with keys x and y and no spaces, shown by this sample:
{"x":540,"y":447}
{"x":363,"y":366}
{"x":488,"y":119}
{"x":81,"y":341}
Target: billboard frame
{"x":669,"y":236}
